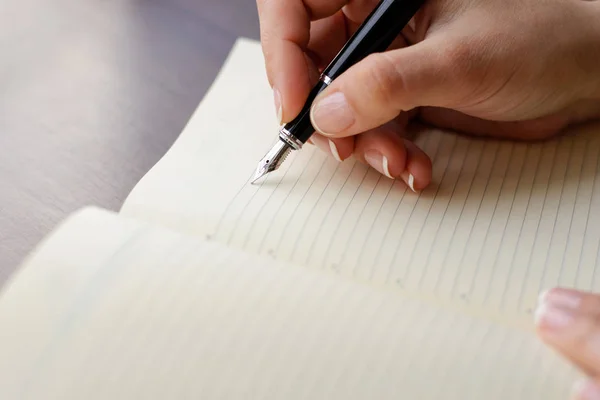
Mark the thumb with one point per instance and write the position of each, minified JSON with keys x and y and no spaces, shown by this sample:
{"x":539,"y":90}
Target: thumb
{"x":378,"y":88}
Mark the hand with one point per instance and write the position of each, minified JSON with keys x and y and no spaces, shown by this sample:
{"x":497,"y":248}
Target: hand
{"x":569,"y":321}
{"x":299,"y":39}
{"x":516,"y":69}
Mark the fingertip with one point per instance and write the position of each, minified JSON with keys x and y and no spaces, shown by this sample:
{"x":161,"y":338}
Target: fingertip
{"x":383,"y":150}
{"x":418,"y":172}
{"x":409,"y":179}
{"x":339,"y":149}
{"x":345,"y":146}
{"x":395,"y":157}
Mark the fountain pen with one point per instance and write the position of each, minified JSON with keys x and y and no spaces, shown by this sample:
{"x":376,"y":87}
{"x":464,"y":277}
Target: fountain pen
{"x":375,"y":35}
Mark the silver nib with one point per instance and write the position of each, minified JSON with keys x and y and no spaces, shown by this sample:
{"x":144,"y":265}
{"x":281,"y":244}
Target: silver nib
{"x":272,"y":160}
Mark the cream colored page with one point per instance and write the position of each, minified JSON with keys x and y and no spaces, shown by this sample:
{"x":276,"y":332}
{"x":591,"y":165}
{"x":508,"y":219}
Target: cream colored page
{"x":110,"y":309}
{"x":501,"y":221}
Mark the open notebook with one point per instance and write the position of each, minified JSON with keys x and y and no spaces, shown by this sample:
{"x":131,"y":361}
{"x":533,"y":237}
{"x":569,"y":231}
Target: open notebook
{"x":325,"y":281}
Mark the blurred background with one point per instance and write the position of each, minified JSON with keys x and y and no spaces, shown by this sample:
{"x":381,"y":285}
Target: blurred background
{"x":92,"y":94}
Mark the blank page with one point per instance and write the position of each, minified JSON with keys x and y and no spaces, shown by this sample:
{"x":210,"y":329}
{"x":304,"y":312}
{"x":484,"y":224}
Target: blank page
{"x":110,"y":309}
{"x":501,"y":221}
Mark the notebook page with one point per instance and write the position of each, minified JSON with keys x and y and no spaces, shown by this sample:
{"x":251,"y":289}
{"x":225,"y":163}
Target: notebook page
{"x":500,"y":222}
{"x":108,"y":308}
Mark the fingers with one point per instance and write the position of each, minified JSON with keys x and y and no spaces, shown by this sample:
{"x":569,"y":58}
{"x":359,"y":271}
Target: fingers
{"x":327,"y":37}
{"x":386,"y":151}
{"x":569,"y":321}
{"x":393,"y":156}
{"x":375,"y":90}
{"x":418,"y":172}
{"x":356,"y":11}
{"x":340,"y":149}
{"x":285,"y":34}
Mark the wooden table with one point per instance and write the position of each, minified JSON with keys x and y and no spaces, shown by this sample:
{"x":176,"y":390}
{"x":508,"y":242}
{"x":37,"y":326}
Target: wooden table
{"x":93,"y":92}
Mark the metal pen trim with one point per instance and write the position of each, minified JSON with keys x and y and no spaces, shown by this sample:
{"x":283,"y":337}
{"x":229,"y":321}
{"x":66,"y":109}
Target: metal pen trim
{"x":290,"y":139}
{"x":326,"y":80}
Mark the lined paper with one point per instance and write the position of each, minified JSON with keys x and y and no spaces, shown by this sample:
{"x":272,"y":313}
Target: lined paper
{"x":501,"y":221}
{"x":148,"y":313}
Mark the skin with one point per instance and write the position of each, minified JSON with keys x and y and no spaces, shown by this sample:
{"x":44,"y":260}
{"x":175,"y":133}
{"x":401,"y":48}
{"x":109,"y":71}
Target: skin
{"x":512,"y":69}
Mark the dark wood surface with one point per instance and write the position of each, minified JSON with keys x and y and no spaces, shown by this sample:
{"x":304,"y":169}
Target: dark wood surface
{"x":93,"y":92}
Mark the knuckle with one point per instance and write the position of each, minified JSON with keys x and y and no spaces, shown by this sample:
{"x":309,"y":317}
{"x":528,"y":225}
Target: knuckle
{"x":459,"y":56}
{"x":465,"y":63}
{"x":468,"y":59}
{"x":382,"y":79}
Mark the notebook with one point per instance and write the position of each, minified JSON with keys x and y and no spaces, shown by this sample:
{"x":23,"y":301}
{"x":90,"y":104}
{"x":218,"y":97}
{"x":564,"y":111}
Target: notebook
{"x":324,"y":281}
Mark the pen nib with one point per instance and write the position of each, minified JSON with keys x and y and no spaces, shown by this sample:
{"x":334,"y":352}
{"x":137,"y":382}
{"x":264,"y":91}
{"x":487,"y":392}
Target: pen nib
{"x":260,"y":172}
{"x":272,"y":160}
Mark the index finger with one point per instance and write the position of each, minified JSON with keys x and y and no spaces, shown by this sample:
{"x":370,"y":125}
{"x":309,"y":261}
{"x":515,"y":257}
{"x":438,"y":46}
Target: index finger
{"x":285,"y":34}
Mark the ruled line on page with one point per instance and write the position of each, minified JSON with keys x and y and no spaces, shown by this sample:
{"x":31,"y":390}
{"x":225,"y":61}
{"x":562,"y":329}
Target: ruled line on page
{"x":456,"y":224}
{"x":282,"y":203}
{"x":301,"y":231}
{"x":472,"y":225}
{"x":406,"y":272}
{"x":389,"y":267}
{"x":513,"y":259}
{"x":588,"y":212}
{"x":552,"y":235}
{"x":487,"y":231}
{"x":462,"y":238}
{"x":439,"y":225}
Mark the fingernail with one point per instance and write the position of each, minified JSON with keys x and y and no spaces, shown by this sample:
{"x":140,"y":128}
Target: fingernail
{"x":379,"y":162}
{"x":412,"y":24}
{"x":334,"y":151}
{"x":586,"y":390}
{"x":411,"y":182}
{"x":278,"y":106}
{"x":331,"y":114}
{"x":326,"y":145}
{"x":409,"y":179}
{"x":564,"y":298}
{"x":553,"y":318}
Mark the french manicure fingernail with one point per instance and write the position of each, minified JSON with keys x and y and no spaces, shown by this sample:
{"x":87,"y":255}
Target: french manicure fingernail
{"x":409,"y":179}
{"x":386,"y":167}
{"x":553,"y":318}
{"x":332,"y":114}
{"x":278,"y":106}
{"x":379,"y":162}
{"x":334,"y":151}
{"x":411,"y":182}
{"x":325,"y":145}
{"x":586,"y":390}
{"x":564,"y":298}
